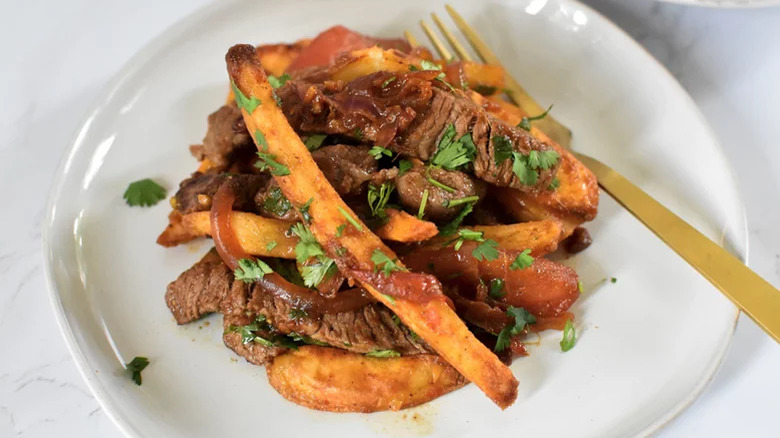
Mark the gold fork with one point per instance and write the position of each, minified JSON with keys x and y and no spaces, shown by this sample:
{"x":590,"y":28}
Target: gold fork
{"x":751,"y":293}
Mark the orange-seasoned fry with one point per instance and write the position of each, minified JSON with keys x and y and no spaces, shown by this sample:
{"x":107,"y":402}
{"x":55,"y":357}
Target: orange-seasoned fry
{"x":576,"y":199}
{"x":254,"y":233}
{"x":541,"y":237}
{"x":329,"y":379}
{"x":275,"y":58}
{"x":176,"y":232}
{"x":304,"y":184}
{"x":403,"y":227}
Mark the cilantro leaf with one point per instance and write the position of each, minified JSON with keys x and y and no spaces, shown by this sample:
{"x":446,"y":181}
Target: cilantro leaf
{"x":522,"y":318}
{"x":358,"y":133}
{"x":465,"y":234}
{"x":384,"y":263}
{"x":268,"y":161}
{"x":486,"y":250}
{"x":314,"y":141}
{"x":429,"y":65}
{"x":384,"y":353}
{"x":313,"y":274}
{"x":276,"y":203}
{"x":451,"y":153}
{"x":144,"y":193}
{"x":388,"y":81}
{"x":580,"y":287}
{"x":304,"y":210}
{"x":452,"y":227}
{"x":455,"y":202}
{"x":135,"y":367}
{"x":423,"y":203}
{"x":278,"y":82}
{"x":502,"y":149}
{"x":523,"y":169}
{"x":496,"y":290}
{"x":350,"y":219}
{"x":522,"y":261}
{"x":306,"y":340}
{"x":440,"y":185}
{"x":271,"y":245}
{"x":404,"y":166}
{"x":542,"y":159}
{"x":613,"y":280}
{"x":378,"y":198}
{"x":569,"y":336}
{"x":296,"y":313}
{"x":525,"y":123}
{"x":340,"y":230}
{"x":243,"y":102}
{"x":378,"y":151}
{"x":249,"y":270}
{"x":554,"y":184}
{"x":307,"y":246}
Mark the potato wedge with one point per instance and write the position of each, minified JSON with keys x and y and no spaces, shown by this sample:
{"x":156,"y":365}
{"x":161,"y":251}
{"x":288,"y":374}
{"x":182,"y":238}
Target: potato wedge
{"x":329,"y":379}
{"x":541,"y":237}
{"x":254,"y":233}
{"x":176,"y":232}
{"x":576,"y":199}
{"x":305,"y":184}
{"x":403,"y":227}
{"x":275,"y":58}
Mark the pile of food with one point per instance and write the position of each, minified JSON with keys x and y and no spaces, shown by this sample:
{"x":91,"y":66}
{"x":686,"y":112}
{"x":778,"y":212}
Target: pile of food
{"x":379,"y":220}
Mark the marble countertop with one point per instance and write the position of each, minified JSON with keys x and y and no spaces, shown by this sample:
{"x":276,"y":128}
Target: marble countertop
{"x":727,"y":59}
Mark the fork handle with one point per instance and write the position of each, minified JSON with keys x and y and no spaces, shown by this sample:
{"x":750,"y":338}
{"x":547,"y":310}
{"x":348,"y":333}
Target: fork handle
{"x":751,"y":293}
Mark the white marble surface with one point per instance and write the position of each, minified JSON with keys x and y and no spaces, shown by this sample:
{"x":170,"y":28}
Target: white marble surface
{"x":57,"y":56}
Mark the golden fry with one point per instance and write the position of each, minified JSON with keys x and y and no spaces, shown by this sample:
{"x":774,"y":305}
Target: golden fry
{"x":254,"y":233}
{"x":541,"y":237}
{"x":403,"y":227}
{"x":329,"y":379}
{"x":434,"y":321}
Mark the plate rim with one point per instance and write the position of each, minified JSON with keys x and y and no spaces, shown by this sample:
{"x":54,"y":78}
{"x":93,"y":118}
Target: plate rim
{"x":160,"y":40}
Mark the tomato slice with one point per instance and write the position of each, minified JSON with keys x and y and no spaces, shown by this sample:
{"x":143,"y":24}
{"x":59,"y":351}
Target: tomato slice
{"x":326,"y":46}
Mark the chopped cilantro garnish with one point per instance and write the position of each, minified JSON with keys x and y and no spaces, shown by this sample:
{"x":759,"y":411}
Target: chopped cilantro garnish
{"x":378,"y":198}
{"x":378,"y":151}
{"x":249,"y":270}
{"x":423,"y":203}
{"x":243,"y":102}
{"x":247,"y":331}
{"x":450,"y":153}
{"x":496,"y":290}
{"x":313,"y":274}
{"x":467,"y":200}
{"x":268,"y":161}
{"x":305,"y":211}
{"x":314,"y":141}
{"x":432,"y":66}
{"x":297,"y":313}
{"x":144,"y":193}
{"x":271,"y":245}
{"x":349,"y":218}
{"x":389,"y":298}
{"x":442,"y":186}
{"x":306,"y":340}
{"x":278,"y":82}
{"x":486,"y":250}
{"x":554,"y":184}
{"x":502,"y":149}
{"x":388,"y":81}
{"x":384,"y":353}
{"x":525,"y":123}
{"x":580,"y":287}
{"x":522,"y":261}
{"x":358,"y":133}
{"x":613,"y":280}
{"x":276,"y":203}
{"x":452,"y":227}
{"x":569,"y":336}
{"x":465,"y":234}
{"x":384,"y":263}
{"x":135,"y":367}
{"x":307,"y":246}
{"x":404,"y":166}
{"x":523,"y":170}
{"x":340,"y":230}
{"x":542,"y":159}
{"x":522,"y":319}
{"x":396,"y":320}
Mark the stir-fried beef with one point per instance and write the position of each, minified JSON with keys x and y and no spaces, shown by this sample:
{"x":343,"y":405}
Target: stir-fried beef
{"x":347,"y":168}
{"x":409,"y":115}
{"x":209,"y":286}
{"x":226,"y":135}
{"x":253,"y":352}
{"x":412,"y":184}
{"x":195,"y":193}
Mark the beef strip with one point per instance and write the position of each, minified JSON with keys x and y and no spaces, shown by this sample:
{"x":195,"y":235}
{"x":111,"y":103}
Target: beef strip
{"x":209,"y":286}
{"x":195,"y":193}
{"x":271,"y":202}
{"x":226,"y":135}
{"x":409,"y":116}
{"x":412,"y":184}
{"x":253,"y":352}
{"x":347,"y":168}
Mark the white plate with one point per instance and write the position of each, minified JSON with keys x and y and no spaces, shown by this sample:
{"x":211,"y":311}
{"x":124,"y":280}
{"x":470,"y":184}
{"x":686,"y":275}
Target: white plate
{"x":648,"y":343}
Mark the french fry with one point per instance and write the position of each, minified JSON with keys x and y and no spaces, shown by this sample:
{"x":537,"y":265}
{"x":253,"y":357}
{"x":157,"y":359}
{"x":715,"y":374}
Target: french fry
{"x":329,"y":379}
{"x":304,"y":184}
{"x":576,"y":199}
{"x":254,"y":233}
{"x":275,"y":58}
{"x":176,"y":232}
{"x":403,"y":227}
{"x":541,"y":237}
